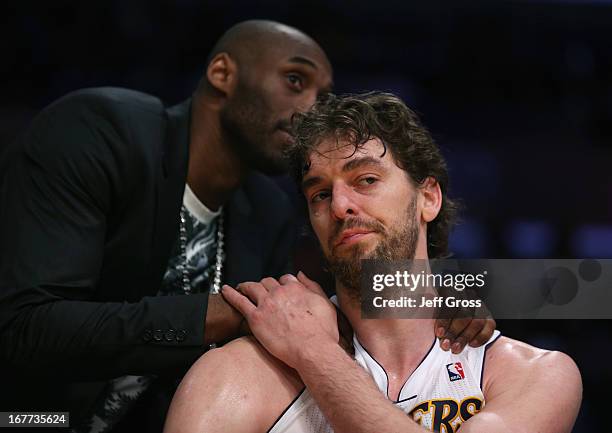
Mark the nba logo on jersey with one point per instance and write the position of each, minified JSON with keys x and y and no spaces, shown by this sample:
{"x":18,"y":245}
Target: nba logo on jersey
{"x":455,"y":371}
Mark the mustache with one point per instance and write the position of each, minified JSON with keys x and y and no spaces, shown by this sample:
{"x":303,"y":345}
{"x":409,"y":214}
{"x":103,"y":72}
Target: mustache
{"x":352,"y":223}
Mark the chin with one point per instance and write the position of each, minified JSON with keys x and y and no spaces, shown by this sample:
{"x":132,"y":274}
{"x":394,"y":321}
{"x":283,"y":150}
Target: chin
{"x":361,"y":250}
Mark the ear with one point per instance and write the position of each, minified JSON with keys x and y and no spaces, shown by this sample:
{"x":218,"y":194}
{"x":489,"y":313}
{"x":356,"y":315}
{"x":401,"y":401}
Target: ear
{"x":222,"y":73}
{"x":432,"y":199}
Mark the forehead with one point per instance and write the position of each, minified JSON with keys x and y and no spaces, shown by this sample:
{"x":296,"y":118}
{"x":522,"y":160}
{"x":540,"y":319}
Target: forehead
{"x":337,"y":155}
{"x":291,"y":46}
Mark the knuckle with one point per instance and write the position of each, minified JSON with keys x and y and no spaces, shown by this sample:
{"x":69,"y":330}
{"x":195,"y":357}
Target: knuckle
{"x":255,"y":319}
{"x":461,"y":341}
{"x":470,"y":334}
{"x":242,"y":287}
{"x":268,"y":303}
{"x":459,"y":324}
{"x":287,"y":277}
{"x":450,"y":335}
{"x":443,"y":322}
{"x":479,"y":340}
{"x":478,"y":324}
{"x":488,"y":329}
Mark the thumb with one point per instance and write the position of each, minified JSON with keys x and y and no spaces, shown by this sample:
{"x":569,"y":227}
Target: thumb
{"x":310,"y":284}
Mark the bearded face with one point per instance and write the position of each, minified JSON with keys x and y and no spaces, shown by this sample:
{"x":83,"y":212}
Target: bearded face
{"x":253,"y":128}
{"x":395,"y":244}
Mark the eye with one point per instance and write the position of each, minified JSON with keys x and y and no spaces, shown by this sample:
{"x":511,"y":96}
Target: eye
{"x":296,"y":82}
{"x":320,"y":196}
{"x":368,"y":180}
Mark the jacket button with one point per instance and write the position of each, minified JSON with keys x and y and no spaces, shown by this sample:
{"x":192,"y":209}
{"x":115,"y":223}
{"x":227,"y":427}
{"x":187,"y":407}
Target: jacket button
{"x":170,"y":335}
{"x":158,"y":335}
{"x":147,"y":335}
{"x":181,"y":335}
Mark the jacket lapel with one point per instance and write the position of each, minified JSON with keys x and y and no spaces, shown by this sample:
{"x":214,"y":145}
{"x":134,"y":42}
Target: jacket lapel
{"x":171,"y":184}
{"x":243,"y":255}
{"x":243,"y":247}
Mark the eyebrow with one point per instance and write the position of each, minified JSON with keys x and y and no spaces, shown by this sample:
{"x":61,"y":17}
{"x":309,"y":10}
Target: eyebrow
{"x":303,"y":61}
{"x":348,"y":166}
{"x":360,"y":162}
{"x":311,"y":181}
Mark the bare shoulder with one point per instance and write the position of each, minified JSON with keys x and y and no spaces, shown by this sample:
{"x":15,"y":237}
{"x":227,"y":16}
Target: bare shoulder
{"x":513,"y":364}
{"x":226,"y":386}
{"x":244,"y":360}
{"x":245,"y":355}
{"x":527,"y":389}
{"x":518,"y":354}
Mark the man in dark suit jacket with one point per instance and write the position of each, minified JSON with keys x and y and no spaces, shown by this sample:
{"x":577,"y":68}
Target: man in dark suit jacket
{"x":90,"y":208}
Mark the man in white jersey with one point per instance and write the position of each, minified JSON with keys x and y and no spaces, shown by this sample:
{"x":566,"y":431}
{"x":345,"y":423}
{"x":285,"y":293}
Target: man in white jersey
{"x":375,"y":184}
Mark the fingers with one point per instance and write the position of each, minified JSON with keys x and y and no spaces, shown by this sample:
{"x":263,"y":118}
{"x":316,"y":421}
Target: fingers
{"x":287,"y":278}
{"x":462,"y":331}
{"x":310,"y":284}
{"x":484,"y":335}
{"x":441,"y":327}
{"x":270,"y":283}
{"x":473,"y":328}
{"x":255,"y":291}
{"x":450,"y":335}
{"x":454,"y":332}
{"x":238,"y":300}
{"x":459,"y":329}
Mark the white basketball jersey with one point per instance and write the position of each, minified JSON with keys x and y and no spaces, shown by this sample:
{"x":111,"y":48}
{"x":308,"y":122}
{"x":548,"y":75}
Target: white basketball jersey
{"x":442,"y":392}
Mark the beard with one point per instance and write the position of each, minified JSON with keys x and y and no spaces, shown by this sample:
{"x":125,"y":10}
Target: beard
{"x":396,"y":245}
{"x":247,"y":126}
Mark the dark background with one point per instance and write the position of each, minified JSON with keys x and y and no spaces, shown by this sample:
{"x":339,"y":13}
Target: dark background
{"x":517,"y":93}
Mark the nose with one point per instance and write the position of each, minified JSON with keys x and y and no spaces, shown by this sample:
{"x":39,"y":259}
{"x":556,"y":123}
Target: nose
{"x":343,"y":203}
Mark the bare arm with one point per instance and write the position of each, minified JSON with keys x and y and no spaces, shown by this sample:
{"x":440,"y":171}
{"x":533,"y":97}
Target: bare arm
{"x":297,"y":327}
{"x":347,"y":395}
{"x":237,"y":388}
{"x":527,"y":390}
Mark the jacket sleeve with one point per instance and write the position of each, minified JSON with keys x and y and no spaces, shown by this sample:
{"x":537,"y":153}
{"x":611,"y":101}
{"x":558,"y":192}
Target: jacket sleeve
{"x":58,"y":188}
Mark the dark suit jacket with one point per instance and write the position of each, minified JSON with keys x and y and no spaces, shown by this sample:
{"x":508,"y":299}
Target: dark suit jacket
{"x":89,"y":212}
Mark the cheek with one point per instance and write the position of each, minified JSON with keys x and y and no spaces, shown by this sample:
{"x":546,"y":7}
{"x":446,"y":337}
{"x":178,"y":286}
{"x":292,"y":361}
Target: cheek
{"x":319,"y":225}
{"x":389,"y":204}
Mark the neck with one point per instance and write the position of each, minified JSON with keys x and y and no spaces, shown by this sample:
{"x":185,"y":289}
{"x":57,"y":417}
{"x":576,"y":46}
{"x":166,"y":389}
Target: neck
{"x":214,"y":170}
{"x":393,"y":342}
{"x":397,"y":344}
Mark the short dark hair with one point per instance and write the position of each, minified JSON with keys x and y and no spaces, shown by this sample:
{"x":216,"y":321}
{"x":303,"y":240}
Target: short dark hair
{"x":360,"y":117}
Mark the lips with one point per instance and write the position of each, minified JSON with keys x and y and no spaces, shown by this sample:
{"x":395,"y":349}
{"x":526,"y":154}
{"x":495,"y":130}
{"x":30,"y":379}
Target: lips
{"x":286,"y":131}
{"x":351,"y":236}
{"x":285,"y":126}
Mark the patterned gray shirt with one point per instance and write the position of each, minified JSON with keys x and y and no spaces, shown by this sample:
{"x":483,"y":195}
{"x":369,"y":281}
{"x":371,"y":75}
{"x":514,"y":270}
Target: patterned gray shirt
{"x":201,"y":229}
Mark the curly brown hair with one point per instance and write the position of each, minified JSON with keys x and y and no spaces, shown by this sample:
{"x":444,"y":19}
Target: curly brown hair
{"x":357,"y":118}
